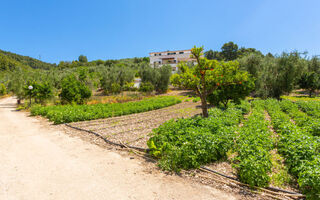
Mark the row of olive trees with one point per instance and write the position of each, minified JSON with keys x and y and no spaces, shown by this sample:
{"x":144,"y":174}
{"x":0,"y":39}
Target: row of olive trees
{"x":278,"y":75}
{"x":274,"y":75}
{"x":55,"y":82}
{"x":45,"y":85}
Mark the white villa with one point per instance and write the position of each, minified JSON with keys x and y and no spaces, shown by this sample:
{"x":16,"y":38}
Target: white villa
{"x":157,"y":59}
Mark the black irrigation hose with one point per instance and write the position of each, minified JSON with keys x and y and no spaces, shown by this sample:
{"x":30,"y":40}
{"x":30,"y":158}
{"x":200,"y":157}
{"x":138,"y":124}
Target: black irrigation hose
{"x":229,"y":177}
{"x":106,"y":140}
{"x":147,"y":150}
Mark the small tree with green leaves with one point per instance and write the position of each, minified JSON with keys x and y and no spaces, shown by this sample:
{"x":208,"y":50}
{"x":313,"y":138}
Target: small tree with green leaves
{"x":310,"y":81}
{"x":72,"y":90}
{"x":207,"y":76}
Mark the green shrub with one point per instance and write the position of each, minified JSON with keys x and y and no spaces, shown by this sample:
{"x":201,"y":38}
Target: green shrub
{"x":129,"y":87}
{"x":73,"y":90}
{"x":3,"y":89}
{"x":158,"y":77}
{"x":115,"y":88}
{"x":40,"y":91}
{"x":146,"y":87}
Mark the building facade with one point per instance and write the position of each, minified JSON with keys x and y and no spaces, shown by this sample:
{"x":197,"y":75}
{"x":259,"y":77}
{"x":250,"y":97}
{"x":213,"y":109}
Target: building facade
{"x":157,"y":59}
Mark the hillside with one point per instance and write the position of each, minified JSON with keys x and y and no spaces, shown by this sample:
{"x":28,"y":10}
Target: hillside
{"x":10,"y":60}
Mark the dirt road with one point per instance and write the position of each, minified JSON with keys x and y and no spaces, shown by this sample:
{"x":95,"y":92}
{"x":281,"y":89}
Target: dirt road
{"x":39,"y":161}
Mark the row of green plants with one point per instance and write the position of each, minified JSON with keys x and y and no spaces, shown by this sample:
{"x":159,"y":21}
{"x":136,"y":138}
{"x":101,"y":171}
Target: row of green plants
{"x":300,"y":150}
{"x":73,"y":113}
{"x":253,"y":145}
{"x":310,"y":107}
{"x":310,"y":124}
{"x":192,"y":142}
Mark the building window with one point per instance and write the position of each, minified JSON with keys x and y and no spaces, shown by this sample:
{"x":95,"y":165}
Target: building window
{"x":159,"y":54}
{"x":172,"y":53}
{"x":159,"y":62}
{"x":155,"y":54}
{"x":181,"y":52}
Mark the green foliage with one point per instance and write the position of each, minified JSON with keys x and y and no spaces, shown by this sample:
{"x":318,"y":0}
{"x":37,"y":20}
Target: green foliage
{"x":9,"y":60}
{"x":196,"y":99}
{"x":229,"y":51}
{"x":158,"y":77}
{"x":146,"y":87}
{"x":235,"y":91}
{"x":310,"y":107}
{"x":207,"y":76}
{"x":40,"y":92}
{"x":309,"y":124}
{"x":253,"y":160}
{"x":72,"y":90}
{"x":83,"y":59}
{"x":3,"y":89}
{"x":129,"y":87}
{"x":73,"y":113}
{"x":192,"y":142}
{"x":299,"y":148}
{"x":213,"y":55}
{"x":116,"y":76}
{"x":274,"y":76}
{"x":115,"y":88}
{"x":310,"y":81}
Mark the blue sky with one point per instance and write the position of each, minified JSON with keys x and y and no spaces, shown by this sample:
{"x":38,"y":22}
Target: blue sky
{"x":101,"y":29}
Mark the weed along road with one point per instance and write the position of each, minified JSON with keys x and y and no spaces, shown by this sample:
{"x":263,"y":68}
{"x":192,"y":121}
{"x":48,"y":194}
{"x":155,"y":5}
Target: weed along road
{"x":39,"y":161}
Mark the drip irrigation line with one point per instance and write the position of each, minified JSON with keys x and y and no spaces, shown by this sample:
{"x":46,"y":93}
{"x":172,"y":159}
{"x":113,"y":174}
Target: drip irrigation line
{"x":106,"y":140}
{"x":201,"y":167}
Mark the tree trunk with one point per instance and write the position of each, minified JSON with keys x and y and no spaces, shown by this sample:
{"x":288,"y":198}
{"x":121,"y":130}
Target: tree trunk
{"x":310,"y":93}
{"x":204,"y":106}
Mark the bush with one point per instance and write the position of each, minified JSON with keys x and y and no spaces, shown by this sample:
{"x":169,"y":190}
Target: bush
{"x":115,"y":88}
{"x":146,"y":87}
{"x":129,"y":87}
{"x":3,"y":89}
{"x":40,"y":91}
{"x":73,"y":90}
{"x":158,"y":77}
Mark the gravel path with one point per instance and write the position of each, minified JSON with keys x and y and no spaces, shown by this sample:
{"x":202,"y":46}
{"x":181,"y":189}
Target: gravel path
{"x":40,"y":161}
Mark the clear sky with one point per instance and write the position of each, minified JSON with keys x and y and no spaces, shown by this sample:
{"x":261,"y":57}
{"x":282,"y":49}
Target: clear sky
{"x":59,"y":30}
